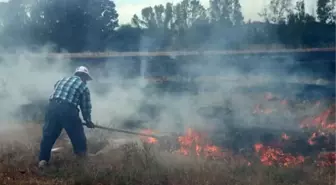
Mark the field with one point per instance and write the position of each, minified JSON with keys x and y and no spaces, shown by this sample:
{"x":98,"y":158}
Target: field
{"x":183,"y":158}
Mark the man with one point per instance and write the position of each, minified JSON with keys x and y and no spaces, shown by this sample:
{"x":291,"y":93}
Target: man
{"x":62,"y":112}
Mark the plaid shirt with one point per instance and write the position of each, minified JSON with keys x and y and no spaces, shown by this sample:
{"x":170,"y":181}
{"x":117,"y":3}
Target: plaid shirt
{"x":74,"y":90}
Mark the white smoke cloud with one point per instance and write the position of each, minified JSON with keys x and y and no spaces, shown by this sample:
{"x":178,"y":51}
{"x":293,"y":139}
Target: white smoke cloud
{"x":26,"y":78}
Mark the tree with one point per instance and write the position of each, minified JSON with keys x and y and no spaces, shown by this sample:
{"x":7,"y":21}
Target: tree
{"x":3,"y":7}
{"x":221,"y":11}
{"x":189,"y":17}
{"x":226,"y":20}
{"x":299,"y":15}
{"x":237,"y":16}
{"x":170,"y":24}
{"x":152,"y":18}
{"x":326,"y":11}
{"x":157,"y":23}
{"x":102,"y":21}
{"x":188,"y":12}
{"x":276,"y":11}
{"x":126,"y":38}
{"x":14,"y":22}
{"x":76,"y":25}
{"x":298,"y":30}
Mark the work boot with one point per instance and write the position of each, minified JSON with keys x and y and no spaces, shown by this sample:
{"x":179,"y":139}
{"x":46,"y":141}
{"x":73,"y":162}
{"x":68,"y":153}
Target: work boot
{"x":42,"y":164}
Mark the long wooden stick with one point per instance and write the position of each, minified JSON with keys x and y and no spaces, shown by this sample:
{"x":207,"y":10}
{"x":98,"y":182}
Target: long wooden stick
{"x":125,"y":131}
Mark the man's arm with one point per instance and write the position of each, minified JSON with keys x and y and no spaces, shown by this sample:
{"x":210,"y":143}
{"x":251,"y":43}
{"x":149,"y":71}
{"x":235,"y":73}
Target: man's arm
{"x":56,"y":84}
{"x":85,"y":105}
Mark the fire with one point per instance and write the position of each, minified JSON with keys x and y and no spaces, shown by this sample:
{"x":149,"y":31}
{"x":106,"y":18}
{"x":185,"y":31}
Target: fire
{"x":259,"y":109}
{"x":197,"y":143}
{"x":326,"y":159}
{"x":322,"y":121}
{"x":148,"y":139}
{"x":192,"y":143}
{"x":275,"y":156}
{"x":311,"y":139}
{"x":285,"y":136}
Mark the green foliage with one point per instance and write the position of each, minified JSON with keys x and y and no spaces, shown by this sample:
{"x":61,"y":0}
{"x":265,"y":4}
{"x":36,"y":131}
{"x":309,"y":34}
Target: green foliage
{"x":326,"y":11}
{"x":75,"y":25}
{"x":92,"y":25}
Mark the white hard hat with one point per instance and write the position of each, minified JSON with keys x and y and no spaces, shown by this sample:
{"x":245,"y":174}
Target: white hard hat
{"x":83,"y":69}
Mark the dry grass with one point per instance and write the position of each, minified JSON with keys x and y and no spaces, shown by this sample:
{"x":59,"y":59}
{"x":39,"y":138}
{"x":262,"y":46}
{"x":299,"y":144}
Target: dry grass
{"x":135,"y":164}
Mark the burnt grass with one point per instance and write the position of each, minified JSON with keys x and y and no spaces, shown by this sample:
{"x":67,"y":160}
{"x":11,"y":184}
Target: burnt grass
{"x":144,"y":164}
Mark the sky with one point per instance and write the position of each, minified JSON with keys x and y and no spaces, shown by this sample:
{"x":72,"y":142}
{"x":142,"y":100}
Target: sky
{"x":250,"y":8}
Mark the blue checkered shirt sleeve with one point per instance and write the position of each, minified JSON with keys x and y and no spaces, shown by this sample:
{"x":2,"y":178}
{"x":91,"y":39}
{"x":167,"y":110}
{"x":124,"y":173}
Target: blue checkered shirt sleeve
{"x":56,"y":84}
{"x":85,"y":105}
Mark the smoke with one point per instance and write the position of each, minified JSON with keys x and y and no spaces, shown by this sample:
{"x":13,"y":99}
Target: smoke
{"x":27,"y":77}
{"x":224,"y":91}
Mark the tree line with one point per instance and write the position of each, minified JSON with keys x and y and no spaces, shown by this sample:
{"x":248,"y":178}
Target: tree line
{"x":92,"y":25}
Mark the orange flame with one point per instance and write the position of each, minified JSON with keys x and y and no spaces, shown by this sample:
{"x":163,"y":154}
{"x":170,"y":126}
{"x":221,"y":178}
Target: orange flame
{"x":148,"y":139}
{"x":326,"y":159}
{"x":196,"y":142}
{"x":285,"y":136}
{"x":274,"y":156}
{"x":322,"y":121}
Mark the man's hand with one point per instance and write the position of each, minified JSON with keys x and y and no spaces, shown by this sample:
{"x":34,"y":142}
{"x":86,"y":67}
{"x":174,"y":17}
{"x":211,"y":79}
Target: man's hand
{"x":89,"y":124}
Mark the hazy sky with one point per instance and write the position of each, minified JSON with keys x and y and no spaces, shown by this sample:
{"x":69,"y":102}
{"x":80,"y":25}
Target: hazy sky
{"x":250,"y":8}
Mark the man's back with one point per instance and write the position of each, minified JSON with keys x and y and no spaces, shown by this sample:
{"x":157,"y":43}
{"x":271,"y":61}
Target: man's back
{"x":69,"y":89}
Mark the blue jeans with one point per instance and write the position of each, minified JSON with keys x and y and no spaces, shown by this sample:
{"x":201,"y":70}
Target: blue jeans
{"x":61,"y":115}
